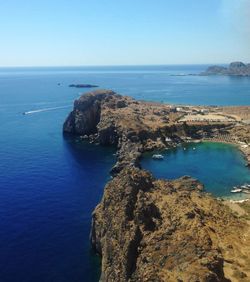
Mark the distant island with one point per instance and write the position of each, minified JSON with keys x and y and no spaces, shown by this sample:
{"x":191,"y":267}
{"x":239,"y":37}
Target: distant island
{"x":234,"y":69}
{"x":83,"y":85}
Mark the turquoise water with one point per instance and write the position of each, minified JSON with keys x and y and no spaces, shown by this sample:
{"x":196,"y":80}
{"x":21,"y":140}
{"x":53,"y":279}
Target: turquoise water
{"x":50,"y":185}
{"x":218,"y":166}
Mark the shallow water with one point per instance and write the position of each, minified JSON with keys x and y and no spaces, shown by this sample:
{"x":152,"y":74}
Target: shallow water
{"x":218,"y":166}
{"x":49,"y":185}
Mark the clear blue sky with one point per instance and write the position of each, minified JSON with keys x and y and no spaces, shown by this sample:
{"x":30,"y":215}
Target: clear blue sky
{"x":122,"y":32}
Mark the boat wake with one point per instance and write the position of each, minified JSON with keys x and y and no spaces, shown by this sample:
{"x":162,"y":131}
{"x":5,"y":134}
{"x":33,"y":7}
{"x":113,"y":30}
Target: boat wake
{"x":45,"y":110}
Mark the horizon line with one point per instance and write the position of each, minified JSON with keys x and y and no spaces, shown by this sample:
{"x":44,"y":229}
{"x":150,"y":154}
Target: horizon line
{"x":114,"y":65}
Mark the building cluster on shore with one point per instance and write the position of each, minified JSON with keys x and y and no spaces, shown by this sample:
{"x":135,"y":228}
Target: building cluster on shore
{"x":235,"y":117}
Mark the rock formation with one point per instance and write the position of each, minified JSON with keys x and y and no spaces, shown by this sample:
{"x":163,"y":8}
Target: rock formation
{"x":156,"y":230}
{"x":234,"y":69}
{"x":107,"y":118}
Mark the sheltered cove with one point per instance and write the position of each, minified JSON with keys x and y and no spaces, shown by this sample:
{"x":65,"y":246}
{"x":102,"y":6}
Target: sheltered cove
{"x":151,"y":230}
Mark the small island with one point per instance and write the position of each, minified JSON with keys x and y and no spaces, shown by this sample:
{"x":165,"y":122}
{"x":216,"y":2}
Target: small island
{"x":83,"y":85}
{"x":234,"y":69}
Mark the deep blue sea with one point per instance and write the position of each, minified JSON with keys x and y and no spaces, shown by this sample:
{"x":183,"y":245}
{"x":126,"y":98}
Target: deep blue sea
{"x":49,"y":185}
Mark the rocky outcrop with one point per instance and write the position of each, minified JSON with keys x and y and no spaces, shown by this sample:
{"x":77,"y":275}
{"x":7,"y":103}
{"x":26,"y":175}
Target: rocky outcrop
{"x":84,"y":118}
{"x":107,"y":118}
{"x":155,"y":230}
{"x":234,"y":69}
{"x":100,"y":117}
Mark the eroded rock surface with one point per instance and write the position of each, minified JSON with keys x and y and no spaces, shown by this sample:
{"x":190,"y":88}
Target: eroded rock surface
{"x":156,"y":230}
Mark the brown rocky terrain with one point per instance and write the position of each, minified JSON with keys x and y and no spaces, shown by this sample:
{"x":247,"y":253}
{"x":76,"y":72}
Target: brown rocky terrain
{"x":243,"y":112}
{"x":155,"y":230}
{"x":107,"y":118}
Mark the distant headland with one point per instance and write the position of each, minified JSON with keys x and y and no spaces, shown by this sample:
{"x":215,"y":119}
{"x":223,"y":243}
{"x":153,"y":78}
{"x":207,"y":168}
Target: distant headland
{"x":234,"y":69}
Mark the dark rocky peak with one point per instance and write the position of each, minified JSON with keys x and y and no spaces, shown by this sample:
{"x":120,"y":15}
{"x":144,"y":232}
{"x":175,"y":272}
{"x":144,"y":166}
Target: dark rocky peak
{"x":237,"y":65}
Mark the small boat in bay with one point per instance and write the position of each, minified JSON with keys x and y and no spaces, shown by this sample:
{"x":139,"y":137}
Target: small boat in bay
{"x":236,"y":190}
{"x":157,"y":157}
{"x":246,"y":186}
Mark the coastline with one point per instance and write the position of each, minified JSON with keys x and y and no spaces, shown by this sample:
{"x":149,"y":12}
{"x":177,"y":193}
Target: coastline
{"x":132,"y":140}
{"x":232,"y":197}
{"x":246,"y":154}
{"x":134,"y":127}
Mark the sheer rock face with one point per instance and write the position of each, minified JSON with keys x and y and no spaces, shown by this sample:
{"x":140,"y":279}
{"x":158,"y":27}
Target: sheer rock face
{"x":101,"y":115}
{"x":84,"y":118}
{"x":156,"y":230}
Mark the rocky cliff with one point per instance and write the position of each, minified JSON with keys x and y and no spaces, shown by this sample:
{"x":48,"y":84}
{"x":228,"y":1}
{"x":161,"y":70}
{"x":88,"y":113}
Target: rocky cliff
{"x":107,"y":118}
{"x":155,"y":230}
{"x":234,"y":69}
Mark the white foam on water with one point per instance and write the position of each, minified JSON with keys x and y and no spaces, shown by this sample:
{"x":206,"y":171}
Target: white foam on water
{"x":45,"y":110}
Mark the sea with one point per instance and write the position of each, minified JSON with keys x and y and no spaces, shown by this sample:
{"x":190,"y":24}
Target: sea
{"x":49,"y":184}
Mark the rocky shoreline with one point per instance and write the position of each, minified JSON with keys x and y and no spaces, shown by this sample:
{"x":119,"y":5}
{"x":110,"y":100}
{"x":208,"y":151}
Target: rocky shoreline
{"x":107,"y":118}
{"x":151,"y":230}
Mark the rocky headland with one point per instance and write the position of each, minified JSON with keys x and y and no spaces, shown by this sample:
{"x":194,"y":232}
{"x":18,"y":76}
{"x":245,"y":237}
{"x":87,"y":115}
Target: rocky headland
{"x":157,"y":230}
{"x":107,"y":118}
{"x":234,"y":69}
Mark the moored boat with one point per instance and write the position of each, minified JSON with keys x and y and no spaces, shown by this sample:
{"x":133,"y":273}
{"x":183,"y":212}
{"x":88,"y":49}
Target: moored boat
{"x":245,"y":186}
{"x":236,"y":190}
{"x":157,"y":157}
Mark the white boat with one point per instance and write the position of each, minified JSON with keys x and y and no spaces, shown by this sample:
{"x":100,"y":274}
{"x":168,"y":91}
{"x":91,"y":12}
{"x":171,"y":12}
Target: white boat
{"x":157,"y":157}
{"x":246,"y":186}
{"x":236,"y":190}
